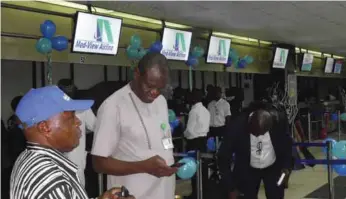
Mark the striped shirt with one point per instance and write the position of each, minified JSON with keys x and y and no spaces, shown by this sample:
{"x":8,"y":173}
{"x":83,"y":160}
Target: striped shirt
{"x":44,"y":173}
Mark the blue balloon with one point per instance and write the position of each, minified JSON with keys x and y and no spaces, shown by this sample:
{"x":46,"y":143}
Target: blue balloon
{"x":229,"y":62}
{"x":241,"y":64}
{"x":334,"y":117}
{"x":211,"y":144}
{"x":192,"y":61}
{"x":330,"y":140}
{"x":44,"y":46}
{"x":248,"y":59}
{"x":48,"y":29}
{"x":339,"y":150}
{"x":59,"y":43}
{"x":188,"y":169}
{"x":174,"y":124}
{"x":340,"y":169}
{"x":156,"y":47}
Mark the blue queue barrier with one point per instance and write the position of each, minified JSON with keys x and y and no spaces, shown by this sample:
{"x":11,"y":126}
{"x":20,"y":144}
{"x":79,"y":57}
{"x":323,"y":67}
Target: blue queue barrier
{"x":329,"y":162}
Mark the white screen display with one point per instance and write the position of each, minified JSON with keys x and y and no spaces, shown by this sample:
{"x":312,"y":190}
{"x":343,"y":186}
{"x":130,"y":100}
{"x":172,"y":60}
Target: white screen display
{"x":218,"y":50}
{"x":96,"y":34}
{"x":176,"y":44}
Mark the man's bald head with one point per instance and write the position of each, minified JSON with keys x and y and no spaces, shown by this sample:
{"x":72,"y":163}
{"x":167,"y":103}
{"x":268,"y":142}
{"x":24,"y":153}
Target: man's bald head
{"x":260,"y":121}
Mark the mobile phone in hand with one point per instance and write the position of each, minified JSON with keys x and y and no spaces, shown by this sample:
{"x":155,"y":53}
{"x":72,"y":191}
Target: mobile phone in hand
{"x":177,"y":164}
{"x":124,"y":192}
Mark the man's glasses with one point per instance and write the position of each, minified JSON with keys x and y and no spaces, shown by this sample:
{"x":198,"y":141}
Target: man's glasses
{"x":259,"y":148}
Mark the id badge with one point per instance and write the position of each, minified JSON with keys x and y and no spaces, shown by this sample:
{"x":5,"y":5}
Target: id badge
{"x":167,"y":143}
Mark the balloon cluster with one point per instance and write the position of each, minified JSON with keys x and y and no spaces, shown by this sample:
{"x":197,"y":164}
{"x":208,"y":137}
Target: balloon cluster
{"x":48,"y":42}
{"x":338,"y":152}
{"x":172,"y":119}
{"x":135,"y":51}
{"x":233,"y":58}
{"x":196,"y":53}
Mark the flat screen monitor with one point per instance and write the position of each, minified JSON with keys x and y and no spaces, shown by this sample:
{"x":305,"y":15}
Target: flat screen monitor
{"x":96,"y":34}
{"x":218,"y":50}
{"x":176,"y":44}
{"x":328,"y":68}
{"x":338,"y":66}
{"x":280,"y":58}
{"x":307,"y":62}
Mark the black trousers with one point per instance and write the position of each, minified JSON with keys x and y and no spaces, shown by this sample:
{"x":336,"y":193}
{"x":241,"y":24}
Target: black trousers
{"x":270,"y":177}
{"x":217,"y":131}
{"x":200,"y":144}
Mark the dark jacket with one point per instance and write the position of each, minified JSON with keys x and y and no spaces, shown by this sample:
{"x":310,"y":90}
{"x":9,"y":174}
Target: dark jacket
{"x":237,"y":143}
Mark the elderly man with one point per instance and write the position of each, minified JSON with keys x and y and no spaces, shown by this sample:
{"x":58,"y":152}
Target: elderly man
{"x":87,"y":118}
{"x":133,"y":142}
{"x":262,"y":147}
{"x":51,"y":128}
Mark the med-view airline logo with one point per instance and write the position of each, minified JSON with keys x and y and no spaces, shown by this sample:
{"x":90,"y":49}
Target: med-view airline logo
{"x":103,"y":25}
{"x":99,"y":42}
{"x":179,"y":39}
{"x":222,"y":48}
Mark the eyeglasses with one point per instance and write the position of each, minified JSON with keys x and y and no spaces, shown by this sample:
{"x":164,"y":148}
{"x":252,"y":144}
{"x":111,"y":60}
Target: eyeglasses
{"x":259,"y":148}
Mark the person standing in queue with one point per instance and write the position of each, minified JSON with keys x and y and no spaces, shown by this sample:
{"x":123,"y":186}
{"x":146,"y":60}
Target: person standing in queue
{"x":220,"y":114}
{"x":262,"y":150}
{"x":133,"y":142}
{"x":196,"y":132}
{"x":51,"y":128}
{"x":78,"y":155}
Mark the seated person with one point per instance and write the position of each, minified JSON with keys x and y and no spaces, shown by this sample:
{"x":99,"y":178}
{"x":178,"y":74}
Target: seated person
{"x":51,"y":128}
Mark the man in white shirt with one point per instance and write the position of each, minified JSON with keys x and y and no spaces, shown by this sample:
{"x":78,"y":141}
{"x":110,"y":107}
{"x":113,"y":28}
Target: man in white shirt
{"x":198,"y":123}
{"x":263,"y":151}
{"x":196,"y":131}
{"x":133,"y":142}
{"x":78,"y":155}
{"x":220,"y":114}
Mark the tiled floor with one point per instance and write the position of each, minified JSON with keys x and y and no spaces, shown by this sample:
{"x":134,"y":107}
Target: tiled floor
{"x":301,"y":183}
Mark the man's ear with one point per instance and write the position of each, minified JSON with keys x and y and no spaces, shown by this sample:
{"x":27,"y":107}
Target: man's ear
{"x":44,"y":128}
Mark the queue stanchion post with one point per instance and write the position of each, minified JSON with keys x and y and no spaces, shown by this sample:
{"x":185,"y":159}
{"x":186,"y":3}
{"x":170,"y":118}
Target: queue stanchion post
{"x":339,"y":126}
{"x":101,"y":187}
{"x":199,"y":175}
{"x":309,"y":126}
{"x":330,"y":171}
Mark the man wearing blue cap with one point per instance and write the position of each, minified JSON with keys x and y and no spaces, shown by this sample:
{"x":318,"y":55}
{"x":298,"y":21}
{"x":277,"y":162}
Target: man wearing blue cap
{"x":51,"y":128}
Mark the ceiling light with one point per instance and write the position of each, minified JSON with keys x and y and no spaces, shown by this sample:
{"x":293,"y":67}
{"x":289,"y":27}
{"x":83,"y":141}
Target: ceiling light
{"x":175,"y":25}
{"x":65,"y":4}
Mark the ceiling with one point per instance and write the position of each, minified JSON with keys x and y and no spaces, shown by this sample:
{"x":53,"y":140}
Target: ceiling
{"x":315,"y":25}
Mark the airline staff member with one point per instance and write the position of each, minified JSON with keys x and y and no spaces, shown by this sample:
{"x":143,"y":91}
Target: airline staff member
{"x":220,"y":114}
{"x":133,"y":142}
{"x":263,"y":151}
{"x":196,"y":131}
{"x":78,"y":155}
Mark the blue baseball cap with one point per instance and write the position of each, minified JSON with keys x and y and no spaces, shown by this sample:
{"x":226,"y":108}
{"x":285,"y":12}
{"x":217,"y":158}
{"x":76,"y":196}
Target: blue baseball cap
{"x":40,"y":104}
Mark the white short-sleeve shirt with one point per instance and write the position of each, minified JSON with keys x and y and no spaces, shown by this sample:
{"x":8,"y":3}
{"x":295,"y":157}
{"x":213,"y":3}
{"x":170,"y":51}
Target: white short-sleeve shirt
{"x":219,"y":110}
{"x":119,"y":133}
